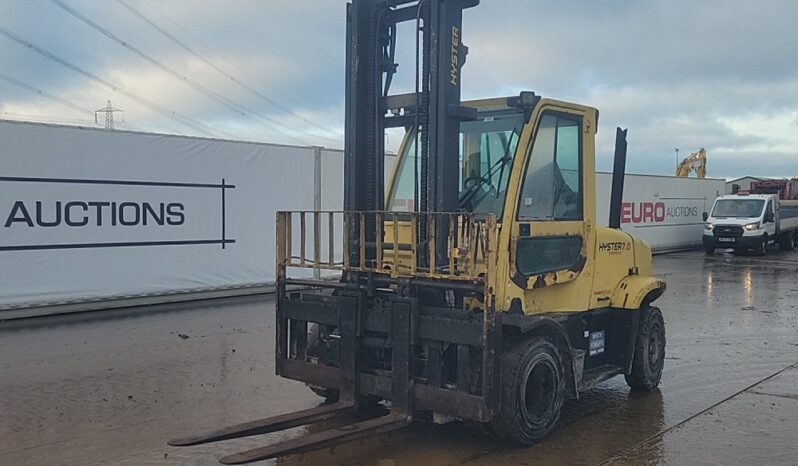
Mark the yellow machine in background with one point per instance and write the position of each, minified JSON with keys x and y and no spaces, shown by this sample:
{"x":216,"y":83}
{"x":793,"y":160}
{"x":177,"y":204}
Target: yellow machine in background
{"x":697,"y":161}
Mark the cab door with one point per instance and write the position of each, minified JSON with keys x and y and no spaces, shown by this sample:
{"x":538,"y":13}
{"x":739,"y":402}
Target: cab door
{"x":552,"y":238}
{"x":769,"y":219}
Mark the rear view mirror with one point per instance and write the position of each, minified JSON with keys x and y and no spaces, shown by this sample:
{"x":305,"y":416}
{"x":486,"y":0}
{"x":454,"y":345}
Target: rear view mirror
{"x":769,"y":217}
{"x":705,"y":216}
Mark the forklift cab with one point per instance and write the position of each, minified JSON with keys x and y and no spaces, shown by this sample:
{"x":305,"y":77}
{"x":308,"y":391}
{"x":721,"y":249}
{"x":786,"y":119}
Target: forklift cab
{"x":533,"y":167}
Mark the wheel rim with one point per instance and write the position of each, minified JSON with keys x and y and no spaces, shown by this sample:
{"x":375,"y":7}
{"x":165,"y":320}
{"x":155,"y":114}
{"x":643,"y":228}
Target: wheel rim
{"x":764,"y":246}
{"x":540,"y":389}
{"x":655,"y":346}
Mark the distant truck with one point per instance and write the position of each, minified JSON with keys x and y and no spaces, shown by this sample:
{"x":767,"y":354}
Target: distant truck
{"x":751,"y":221}
{"x":784,"y":188}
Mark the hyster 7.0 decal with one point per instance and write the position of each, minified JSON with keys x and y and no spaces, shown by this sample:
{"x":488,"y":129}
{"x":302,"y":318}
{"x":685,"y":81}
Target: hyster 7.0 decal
{"x":615,"y":246}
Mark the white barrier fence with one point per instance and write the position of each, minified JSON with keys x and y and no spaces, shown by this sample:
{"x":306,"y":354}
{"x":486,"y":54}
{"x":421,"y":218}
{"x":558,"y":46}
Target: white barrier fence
{"x":89,"y":215}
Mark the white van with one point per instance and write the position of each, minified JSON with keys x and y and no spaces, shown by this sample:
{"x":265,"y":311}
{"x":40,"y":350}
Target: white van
{"x":750,"y":221}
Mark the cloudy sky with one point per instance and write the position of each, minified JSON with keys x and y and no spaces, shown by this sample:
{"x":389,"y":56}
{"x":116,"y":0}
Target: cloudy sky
{"x":678,"y":74}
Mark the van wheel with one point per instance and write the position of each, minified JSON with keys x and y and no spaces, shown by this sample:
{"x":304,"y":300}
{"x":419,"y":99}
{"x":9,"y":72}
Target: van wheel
{"x":786,"y":242}
{"x":762,"y":249}
{"x":649,"y":355}
{"x":532,"y":392}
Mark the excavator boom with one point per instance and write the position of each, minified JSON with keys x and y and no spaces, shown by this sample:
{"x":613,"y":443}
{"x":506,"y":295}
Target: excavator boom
{"x":697,"y":161}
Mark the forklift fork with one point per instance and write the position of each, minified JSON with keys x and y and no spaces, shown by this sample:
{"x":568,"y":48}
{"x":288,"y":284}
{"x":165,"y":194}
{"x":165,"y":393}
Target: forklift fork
{"x":401,"y":414}
{"x":309,"y":442}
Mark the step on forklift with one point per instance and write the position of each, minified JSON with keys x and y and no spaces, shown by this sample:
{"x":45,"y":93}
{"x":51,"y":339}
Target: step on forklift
{"x":478,"y":285}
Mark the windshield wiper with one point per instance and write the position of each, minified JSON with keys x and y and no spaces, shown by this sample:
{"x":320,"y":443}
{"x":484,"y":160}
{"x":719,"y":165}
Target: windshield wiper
{"x":467,"y":195}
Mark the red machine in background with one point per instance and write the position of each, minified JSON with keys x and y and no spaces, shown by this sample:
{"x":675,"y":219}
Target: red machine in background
{"x":784,"y":188}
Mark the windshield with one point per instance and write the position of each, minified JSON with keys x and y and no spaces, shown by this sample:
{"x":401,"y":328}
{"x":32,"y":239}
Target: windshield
{"x":487,"y":147}
{"x":746,"y":208}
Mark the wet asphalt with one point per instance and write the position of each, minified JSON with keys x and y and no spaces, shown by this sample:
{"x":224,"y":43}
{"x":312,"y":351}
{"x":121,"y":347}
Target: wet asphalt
{"x":112,"y":387}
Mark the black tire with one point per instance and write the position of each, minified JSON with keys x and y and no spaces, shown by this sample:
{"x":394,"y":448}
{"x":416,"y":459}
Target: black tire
{"x":762,"y":248}
{"x":787,"y":241}
{"x":532,"y":391}
{"x":709,"y":249}
{"x":330,"y":395}
{"x":649,"y":356}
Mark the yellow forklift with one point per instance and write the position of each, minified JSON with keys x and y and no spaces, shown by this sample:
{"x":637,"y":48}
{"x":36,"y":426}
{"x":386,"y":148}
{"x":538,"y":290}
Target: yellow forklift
{"x":477,"y":285}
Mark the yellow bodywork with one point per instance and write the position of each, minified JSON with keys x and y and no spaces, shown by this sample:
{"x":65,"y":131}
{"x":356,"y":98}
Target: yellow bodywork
{"x":697,"y":162}
{"x":616,"y":269}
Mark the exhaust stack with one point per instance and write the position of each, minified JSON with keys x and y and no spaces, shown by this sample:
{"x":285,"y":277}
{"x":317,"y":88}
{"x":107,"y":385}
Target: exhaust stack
{"x":618,"y":172}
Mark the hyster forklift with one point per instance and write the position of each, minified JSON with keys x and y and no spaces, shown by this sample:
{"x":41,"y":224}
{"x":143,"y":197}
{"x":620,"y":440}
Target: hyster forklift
{"x":478,"y":286}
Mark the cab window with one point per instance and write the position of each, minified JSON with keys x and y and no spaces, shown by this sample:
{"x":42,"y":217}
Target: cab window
{"x":552,"y":186}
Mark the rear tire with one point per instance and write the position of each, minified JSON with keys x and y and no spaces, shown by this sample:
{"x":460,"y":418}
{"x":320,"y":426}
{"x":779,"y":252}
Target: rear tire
{"x":649,"y":355}
{"x":786,"y":241}
{"x":532,"y":392}
{"x":330,"y":395}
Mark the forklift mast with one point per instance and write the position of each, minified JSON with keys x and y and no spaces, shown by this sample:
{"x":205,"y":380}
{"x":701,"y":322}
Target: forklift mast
{"x":434,"y":109}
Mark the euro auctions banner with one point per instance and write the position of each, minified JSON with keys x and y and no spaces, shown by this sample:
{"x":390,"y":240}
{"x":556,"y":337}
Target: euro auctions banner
{"x":664,"y":211}
{"x":90,"y":214}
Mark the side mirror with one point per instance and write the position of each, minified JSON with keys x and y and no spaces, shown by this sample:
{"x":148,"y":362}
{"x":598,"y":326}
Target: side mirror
{"x":769,"y":217}
{"x":705,"y":216}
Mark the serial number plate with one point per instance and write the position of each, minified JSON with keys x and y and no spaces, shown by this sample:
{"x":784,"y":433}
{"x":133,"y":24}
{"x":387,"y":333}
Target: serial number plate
{"x":726,"y":240}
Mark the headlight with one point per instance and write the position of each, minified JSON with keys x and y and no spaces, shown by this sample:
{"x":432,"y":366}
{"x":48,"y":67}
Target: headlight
{"x":708,"y":226}
{"x":752,"y":226}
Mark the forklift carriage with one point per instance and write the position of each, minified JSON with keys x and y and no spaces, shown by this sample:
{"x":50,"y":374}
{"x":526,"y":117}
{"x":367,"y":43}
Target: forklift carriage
{"x":380,"y":332}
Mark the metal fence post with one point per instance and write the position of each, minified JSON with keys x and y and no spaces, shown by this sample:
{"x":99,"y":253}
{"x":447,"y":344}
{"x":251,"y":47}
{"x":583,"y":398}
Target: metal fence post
{"x":316,"y":199}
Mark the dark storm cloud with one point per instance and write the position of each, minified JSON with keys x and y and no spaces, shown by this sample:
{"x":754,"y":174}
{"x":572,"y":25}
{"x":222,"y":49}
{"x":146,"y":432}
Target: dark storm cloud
{"x":717,"y":74}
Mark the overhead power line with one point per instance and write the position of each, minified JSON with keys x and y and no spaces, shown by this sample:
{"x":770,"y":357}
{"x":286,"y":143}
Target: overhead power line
{"x":56,"y":119}
{"x":47,"y":118}
{"x":216,"y":67}
{"x":223,"y":56}
{"x":185,"y":120}
{"x":239,"y":109}
{"x":44,"y":94}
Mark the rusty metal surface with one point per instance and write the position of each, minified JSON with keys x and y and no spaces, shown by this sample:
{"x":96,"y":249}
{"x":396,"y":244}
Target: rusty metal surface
{"x":111,"y":388}
{"x":397,"y":252}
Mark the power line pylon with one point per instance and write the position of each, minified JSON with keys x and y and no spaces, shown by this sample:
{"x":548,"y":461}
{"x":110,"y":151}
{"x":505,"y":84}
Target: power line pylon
{"x":109,"y":115}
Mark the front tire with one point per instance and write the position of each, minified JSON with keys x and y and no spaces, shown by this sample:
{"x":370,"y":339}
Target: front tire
{"x":649,"y":355}
{"x":762,"y":249}
{"x":532,"y":392}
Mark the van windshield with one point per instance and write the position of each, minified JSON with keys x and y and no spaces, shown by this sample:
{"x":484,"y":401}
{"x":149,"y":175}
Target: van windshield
{"x":487,"y":149}
{"x":743,"y":208}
